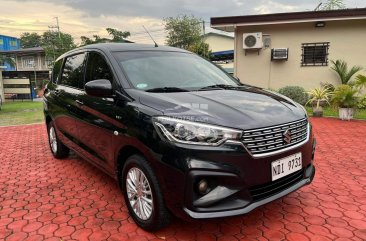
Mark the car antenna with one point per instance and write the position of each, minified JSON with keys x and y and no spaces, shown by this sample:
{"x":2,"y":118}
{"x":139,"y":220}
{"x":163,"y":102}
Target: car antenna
{"x":156,"y":45}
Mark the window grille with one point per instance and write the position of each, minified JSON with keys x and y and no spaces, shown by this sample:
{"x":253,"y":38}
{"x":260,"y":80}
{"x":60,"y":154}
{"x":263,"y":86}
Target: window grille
{"x":315,"y":54}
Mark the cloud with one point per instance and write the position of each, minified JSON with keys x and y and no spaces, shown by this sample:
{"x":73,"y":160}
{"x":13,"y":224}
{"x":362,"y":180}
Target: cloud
{"x":88,"y":17}
{"x":270,"y":7}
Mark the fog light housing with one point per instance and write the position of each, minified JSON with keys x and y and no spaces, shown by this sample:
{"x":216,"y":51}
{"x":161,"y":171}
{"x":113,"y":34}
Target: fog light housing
{"x":203,"y":187}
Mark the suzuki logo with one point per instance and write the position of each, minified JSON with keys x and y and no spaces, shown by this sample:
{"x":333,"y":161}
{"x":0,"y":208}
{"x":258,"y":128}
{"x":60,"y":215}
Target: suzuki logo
{"x":287,"y":136}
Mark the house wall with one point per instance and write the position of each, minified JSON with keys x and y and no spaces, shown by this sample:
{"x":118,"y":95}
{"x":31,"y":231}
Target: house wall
{"x":347,"y":41}
{"x":219,"y":43}
{"x":9,"y":43}
{"x":39,"y":62}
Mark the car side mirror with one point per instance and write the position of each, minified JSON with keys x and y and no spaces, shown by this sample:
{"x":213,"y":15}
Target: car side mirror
{"x":99,"y":88}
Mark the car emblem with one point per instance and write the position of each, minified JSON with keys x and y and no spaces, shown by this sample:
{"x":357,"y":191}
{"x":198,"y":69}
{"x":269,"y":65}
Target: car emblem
{"x":287,"y":136}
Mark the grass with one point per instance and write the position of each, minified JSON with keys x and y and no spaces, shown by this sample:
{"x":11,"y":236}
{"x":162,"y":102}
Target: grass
{"x":18,"y":113}
{"x":332,"y":112}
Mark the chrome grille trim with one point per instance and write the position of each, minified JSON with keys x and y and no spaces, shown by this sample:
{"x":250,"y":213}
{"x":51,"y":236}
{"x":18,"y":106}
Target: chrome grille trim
{"x":269,"y":141}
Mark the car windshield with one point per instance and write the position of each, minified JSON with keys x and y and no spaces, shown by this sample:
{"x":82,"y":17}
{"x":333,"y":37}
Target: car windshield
{"x":173,"y":71}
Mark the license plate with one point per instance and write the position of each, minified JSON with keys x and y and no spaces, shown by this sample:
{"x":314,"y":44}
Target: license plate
{"x":286,"y":166}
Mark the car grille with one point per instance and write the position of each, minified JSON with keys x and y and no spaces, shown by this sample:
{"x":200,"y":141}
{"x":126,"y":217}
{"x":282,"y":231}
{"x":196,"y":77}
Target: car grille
{"x":270,"y":139}
{"x":269,"y":189}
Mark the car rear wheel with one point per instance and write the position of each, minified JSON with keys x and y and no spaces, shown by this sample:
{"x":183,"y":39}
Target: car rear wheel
{"x":143,"y":195}
{"x":58,"y":149}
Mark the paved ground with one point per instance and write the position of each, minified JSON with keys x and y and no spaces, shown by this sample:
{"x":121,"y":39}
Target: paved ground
{"x":44,"y":198}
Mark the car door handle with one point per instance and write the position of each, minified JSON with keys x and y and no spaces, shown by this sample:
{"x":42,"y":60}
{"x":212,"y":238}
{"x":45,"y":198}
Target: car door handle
{"x":79,"y":102}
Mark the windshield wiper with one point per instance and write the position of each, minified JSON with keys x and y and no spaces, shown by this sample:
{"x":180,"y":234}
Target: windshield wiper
{"x":219,"y":86}
{"x":167,"y":89}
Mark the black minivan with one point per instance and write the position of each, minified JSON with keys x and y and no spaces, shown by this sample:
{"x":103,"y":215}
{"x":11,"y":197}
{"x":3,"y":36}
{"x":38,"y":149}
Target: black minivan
{"x":179,"y":134}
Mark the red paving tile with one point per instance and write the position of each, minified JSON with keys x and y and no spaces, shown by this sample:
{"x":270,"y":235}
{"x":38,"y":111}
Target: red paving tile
{"x":42,"y":198}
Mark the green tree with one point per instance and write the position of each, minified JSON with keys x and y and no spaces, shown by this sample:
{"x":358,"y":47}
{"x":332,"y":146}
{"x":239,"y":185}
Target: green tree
{"x":333,"y":5}
{"x":56,"y":43}
{"x":201,"y":48}
{"x":186,"y":32}
{"x":7,"y":59}
{"x":115,"y":36}
{"x":30,"y":40}
{"x":344,"y":74}
{"x":118,"y":36}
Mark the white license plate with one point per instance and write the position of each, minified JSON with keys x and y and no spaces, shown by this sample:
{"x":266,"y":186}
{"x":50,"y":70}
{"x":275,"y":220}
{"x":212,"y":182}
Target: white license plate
{"x":285,"y":166}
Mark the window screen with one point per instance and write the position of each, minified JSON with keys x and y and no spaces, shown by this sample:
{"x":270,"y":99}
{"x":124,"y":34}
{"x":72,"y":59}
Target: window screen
{"x":73,"y":71}
{"x":315,"y":54}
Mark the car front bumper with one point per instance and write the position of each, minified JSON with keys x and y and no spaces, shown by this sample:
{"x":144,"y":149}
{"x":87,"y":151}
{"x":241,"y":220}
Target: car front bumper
{"x":238,"y":182}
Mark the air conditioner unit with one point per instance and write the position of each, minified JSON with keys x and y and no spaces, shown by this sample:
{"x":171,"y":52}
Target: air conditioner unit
{"x":252,"y":40}
{"x":279,"y":54}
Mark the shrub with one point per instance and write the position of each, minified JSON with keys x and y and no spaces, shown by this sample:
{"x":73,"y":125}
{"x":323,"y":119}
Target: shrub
{"x":328,"y":86}
{"x":362,"y":103}
{"x":345,"y":96}
{"x":296,"y":93}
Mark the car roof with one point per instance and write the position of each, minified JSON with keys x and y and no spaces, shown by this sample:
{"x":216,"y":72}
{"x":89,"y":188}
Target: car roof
{"x":120,"y":47}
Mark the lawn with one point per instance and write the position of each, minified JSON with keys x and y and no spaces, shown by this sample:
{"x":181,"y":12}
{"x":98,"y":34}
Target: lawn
{"x":329,"y":111}
{"x":18,"y":113}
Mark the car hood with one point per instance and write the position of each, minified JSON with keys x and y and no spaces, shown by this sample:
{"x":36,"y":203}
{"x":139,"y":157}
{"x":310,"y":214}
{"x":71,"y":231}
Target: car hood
{"x":245,"y":108}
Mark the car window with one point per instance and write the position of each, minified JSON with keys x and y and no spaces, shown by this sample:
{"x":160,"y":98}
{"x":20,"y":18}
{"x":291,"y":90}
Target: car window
{"x":72,"y":74}
{"x":97,"y":68}
{"x":154,"y":69}
{"x":56,"y":70}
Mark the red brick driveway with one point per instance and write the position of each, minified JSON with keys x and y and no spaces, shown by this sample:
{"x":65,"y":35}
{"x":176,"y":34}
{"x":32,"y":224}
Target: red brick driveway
{"x":44,"y":198}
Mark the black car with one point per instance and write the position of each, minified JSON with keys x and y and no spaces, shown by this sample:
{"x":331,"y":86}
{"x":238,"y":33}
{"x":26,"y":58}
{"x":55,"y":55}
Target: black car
{"x":179,"y":134}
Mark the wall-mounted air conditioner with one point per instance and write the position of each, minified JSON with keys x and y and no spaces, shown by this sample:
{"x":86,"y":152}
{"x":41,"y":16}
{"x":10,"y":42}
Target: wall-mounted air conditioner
{"x":252,"y":40}
{"x":279,"y":54}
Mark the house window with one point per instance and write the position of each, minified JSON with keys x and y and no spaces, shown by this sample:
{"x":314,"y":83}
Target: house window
{"x":1,"y":41}
{"x":13,"y":43}
{"x":315,"y":54}
{"x":28,"y":62}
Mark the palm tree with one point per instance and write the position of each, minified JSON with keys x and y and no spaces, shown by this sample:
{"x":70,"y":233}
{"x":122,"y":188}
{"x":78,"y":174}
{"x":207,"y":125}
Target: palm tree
{"x":360,"y":81}
{"x":341,"y":67}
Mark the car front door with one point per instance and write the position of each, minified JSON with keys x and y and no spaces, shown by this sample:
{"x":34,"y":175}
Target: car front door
{"x":97,"y":123}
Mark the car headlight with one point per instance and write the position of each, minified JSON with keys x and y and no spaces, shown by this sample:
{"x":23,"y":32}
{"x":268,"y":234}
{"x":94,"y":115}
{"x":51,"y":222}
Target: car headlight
{"x":188,"y":132}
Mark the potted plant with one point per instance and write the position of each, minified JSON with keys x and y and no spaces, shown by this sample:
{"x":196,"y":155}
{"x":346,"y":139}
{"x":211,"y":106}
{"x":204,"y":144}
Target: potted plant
{"x":319,"y":97}
{"x":346,"y":99}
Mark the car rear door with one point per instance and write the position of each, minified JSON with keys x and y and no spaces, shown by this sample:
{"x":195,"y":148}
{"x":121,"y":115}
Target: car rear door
{"x":65,"y":94}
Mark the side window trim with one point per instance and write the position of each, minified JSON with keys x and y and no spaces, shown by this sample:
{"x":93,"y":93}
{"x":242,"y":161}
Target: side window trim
{"x":56,"y":79}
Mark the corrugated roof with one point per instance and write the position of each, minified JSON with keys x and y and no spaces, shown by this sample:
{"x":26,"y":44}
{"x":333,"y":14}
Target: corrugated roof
{"x":25,"y":50}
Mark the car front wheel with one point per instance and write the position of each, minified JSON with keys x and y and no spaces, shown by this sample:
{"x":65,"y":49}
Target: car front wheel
{"x":143,"y":195}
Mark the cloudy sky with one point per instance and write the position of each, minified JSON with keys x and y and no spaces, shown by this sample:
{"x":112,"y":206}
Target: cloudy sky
{"x":88,"y":17}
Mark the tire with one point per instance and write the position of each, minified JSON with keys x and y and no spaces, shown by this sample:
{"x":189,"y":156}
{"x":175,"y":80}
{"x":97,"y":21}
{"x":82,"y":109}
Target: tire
{"x":58,"y":149}
{"x":159,"y":216}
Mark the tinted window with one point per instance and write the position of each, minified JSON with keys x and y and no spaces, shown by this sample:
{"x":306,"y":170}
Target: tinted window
{"x":72,"y":74}
{"x":153,"y":69}
{"x":97,"y":68}
{"x":56,"y":70}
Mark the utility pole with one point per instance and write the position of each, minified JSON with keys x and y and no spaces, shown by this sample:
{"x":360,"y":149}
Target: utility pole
{"x":57,"y":26}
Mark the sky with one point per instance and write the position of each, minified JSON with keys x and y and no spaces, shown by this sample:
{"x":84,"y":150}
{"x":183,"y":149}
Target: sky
{"x":89,"y":17}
